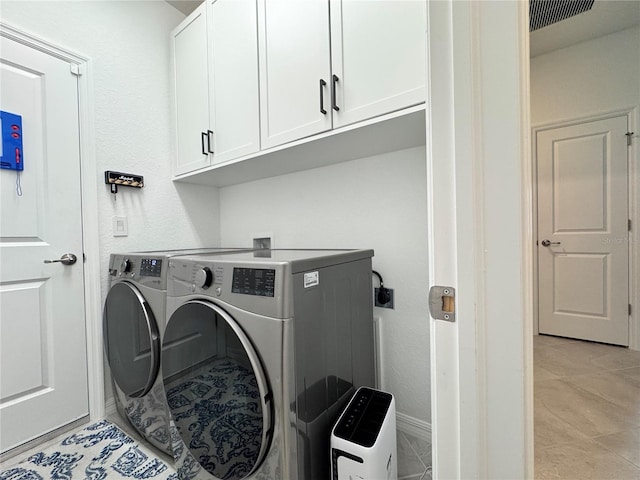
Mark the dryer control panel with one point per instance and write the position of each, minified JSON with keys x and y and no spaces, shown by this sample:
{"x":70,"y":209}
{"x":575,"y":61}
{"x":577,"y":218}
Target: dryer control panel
{"x":254,"y":281}
{"x":151,"y":267}
{"x":141,"y":269}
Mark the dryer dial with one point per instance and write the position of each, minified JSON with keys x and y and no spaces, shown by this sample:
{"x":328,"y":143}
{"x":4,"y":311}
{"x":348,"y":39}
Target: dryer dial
{"x":204,"y":277}
{"x":126,"y":265}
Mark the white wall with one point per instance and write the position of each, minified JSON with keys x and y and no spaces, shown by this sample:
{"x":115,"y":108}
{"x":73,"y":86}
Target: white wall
{"x":591,"y":77}
{"x":377,"y":202}
{"x":128,"y":44}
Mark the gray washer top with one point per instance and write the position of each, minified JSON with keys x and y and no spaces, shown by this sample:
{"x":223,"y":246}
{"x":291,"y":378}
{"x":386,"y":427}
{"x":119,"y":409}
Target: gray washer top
{"x":301,"y":260}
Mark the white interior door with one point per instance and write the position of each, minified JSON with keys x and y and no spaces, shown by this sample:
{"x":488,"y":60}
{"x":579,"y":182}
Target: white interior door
{"x":583,"y":250}
{"x":43,"y":362}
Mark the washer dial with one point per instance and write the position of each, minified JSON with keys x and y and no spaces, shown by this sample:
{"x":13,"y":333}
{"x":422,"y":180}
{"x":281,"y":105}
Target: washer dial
{"x":204,"y":277}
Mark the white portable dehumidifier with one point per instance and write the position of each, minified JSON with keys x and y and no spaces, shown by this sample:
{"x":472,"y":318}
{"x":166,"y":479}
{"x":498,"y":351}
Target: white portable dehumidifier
{"x":363,"y":441}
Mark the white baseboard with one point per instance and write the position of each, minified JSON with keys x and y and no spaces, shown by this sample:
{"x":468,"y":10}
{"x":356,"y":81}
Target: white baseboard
{"x":413,"y":426}
{"x":110,"y":407}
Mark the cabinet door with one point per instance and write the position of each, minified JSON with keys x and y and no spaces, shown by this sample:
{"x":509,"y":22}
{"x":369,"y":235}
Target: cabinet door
{"x":233,"y":78}
{"x":294,"y":58}
{"x":191,"y":92}
{"x":378,"y":54}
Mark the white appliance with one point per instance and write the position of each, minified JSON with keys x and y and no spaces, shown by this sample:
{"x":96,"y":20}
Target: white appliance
{"x":363,"y":441}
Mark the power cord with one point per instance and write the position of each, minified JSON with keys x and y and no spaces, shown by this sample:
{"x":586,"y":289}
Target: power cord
{"x":383,"y":293}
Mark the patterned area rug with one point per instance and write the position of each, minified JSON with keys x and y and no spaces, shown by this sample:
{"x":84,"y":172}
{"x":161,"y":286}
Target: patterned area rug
{"x":218,"y":415}
{"x":99,"y":451}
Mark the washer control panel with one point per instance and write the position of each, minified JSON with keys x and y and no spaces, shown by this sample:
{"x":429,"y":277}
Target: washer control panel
{"x":245,"y":285}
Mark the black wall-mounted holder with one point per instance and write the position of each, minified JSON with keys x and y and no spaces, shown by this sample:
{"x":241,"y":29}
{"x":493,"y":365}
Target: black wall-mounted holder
{"x":115,"y":179}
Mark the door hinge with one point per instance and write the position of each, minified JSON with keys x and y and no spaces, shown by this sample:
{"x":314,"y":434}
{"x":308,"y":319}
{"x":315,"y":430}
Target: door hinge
{"x":629,"y":136}
{"x":76,"y":69}
{"x":629,"y":224}
{"x":629,"y":309}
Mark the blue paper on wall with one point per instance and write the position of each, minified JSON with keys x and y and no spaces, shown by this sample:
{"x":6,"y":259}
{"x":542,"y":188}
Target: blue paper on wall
{"x":11,"y":155}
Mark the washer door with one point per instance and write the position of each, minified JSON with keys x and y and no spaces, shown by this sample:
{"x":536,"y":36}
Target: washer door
{"x":217,"y":392}
{"x":131,"y":340}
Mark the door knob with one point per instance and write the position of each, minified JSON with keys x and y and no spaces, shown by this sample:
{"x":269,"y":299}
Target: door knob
{"x":547,"y":243}
{"x":66,"y":259}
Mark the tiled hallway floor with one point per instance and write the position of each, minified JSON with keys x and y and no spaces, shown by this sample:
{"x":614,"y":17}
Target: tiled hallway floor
{"x":414,"y":458}
{"x":586,"y":410}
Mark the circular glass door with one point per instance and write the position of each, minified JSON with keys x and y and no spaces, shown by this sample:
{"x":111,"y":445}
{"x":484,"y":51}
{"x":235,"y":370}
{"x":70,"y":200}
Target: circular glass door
{"x":216,"y":390}
{"x":131,"y":340}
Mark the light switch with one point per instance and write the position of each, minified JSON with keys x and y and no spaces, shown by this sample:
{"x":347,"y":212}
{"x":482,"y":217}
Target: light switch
{"x":120,"y":227}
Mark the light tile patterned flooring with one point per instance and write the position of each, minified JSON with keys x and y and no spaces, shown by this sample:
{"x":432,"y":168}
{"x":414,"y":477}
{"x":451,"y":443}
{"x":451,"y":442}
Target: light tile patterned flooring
{"x":586,"y":409}
{"x":414,"y":458}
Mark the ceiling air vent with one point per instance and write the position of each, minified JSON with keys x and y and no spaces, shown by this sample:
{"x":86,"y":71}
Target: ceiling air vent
{"x":546,"y":12}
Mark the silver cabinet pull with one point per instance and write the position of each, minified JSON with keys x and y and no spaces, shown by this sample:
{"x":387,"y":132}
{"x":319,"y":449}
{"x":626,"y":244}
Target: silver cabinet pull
{"x":66,"y":259}
{"x":547,"y":243}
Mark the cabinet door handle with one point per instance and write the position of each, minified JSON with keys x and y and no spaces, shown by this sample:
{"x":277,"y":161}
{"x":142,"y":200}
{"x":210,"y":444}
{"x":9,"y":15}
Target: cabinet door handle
{"x":334,"y":105}
{"x":322,"y":85}
{"x":202,"y":135}
{"x":209,"y":134}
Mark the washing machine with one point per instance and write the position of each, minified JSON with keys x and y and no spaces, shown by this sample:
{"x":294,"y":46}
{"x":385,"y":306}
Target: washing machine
{"x":279,"y":341}
{"x":133,"y":323}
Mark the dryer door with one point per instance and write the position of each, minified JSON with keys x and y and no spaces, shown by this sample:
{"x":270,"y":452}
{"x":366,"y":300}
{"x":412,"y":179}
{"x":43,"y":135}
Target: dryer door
{"x":131,"y":340}
{"x":217,"y":392}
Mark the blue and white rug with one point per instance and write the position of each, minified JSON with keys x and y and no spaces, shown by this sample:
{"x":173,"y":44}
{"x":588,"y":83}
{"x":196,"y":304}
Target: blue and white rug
{"x":217,"y":416}
{"x":98,"y":452}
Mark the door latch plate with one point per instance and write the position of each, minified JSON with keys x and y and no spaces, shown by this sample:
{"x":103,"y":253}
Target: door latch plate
{"x":442,"y":303}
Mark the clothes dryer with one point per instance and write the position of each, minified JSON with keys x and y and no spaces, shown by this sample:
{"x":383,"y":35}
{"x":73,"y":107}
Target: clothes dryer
{"x":281,"y":339}
{"x":133,"y":323}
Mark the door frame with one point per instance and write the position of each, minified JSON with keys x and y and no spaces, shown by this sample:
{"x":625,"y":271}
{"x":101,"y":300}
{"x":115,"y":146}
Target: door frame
{"x":89,"y":208}
{"x":633,"y":176}
{"x":480,"y":241}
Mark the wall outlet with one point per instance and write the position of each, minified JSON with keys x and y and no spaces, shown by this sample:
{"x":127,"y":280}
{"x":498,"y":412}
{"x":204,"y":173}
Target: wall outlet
{"x":389,"y":304}
{"x":263,"y":241}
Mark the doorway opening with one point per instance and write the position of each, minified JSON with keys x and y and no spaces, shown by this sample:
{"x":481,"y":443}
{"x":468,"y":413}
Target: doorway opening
{"x":586,"y":396}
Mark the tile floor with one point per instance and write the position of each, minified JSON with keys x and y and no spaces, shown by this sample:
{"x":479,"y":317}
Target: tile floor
{"x":414,"y":454}
{"x":587,"y":415}
{"x":414,"y":458}
{"x":586,"y":410}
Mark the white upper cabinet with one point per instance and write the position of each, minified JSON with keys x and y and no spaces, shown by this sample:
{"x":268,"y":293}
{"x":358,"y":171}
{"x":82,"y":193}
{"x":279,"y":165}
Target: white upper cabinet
{"x":216,"y":84}
{"x":378,"y":56}
{"x":256,"y":77}
{"x":233,"y":78}
{"x":325,"y":64}
{"x":295,"y":69}
{"x":191,"y":92}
